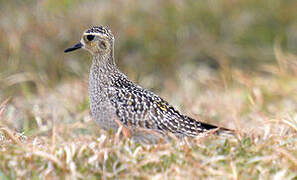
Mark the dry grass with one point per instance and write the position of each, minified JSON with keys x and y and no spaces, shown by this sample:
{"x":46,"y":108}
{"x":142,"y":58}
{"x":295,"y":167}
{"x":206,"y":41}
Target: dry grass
{"x":62,"y":141}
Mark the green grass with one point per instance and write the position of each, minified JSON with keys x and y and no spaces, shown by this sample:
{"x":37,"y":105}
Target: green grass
{"x":231,"y":63}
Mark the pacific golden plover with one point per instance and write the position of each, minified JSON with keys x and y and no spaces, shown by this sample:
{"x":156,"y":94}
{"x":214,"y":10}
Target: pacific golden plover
{"x":117,"y":101}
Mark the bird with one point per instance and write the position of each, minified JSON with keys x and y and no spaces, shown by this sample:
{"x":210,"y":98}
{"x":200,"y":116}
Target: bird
{"x":117,"y":102}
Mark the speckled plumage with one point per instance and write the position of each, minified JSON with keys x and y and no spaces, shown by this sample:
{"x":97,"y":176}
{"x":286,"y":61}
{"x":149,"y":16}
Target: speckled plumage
{"x":114,"y":98}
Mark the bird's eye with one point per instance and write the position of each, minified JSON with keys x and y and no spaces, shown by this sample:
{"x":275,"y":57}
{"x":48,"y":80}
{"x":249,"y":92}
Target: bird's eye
{"x":90,"y":37}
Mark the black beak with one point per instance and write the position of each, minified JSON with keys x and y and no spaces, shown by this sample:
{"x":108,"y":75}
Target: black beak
{"x":75,"y":47}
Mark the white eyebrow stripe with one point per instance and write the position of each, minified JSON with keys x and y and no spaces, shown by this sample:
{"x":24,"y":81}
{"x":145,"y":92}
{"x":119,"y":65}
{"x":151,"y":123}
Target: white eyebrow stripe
{"x":95,"y":34}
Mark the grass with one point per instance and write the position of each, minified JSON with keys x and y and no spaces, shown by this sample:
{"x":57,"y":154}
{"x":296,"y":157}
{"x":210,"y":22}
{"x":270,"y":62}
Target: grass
{"x":231,"y":63}
{"x":60,"y":139}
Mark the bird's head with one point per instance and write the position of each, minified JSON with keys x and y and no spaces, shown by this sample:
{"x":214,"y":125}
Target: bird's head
{"x":96,"y":40}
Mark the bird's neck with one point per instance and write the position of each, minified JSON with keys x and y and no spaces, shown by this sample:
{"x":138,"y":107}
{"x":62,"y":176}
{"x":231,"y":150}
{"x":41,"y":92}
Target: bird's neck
{"x":103,"y":60}
{"x":104,"y":63}
{"x":103,"y":70}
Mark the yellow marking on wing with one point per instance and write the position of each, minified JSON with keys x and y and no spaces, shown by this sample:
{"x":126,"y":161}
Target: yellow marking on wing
{"x":162,"y":106}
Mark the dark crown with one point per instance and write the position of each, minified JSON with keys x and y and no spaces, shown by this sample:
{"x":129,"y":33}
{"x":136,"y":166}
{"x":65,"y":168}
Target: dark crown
{"x":100,"y":29}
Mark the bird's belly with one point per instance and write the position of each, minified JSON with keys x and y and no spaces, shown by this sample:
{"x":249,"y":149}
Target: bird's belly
{"x":104,"y":114}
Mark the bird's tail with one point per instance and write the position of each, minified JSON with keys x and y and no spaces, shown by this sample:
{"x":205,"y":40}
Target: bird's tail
{"x":221,"y":131}
{"x":193,"y":128}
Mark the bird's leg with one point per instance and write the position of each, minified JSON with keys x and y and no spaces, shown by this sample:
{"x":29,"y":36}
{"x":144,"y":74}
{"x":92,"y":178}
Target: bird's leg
{"x":126,"y":131}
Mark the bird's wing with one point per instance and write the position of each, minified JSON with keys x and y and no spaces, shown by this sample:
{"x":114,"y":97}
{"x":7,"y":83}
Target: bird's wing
{"x":138,"y":107}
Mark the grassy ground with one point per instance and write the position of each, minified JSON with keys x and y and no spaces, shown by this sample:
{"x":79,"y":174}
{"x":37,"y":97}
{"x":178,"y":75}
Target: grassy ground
{"x":60,"y":140}
{"x":228,"y":63}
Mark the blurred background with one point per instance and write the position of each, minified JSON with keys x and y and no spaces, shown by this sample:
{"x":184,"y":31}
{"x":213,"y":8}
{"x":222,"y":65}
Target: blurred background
{"x":200,"y":55}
